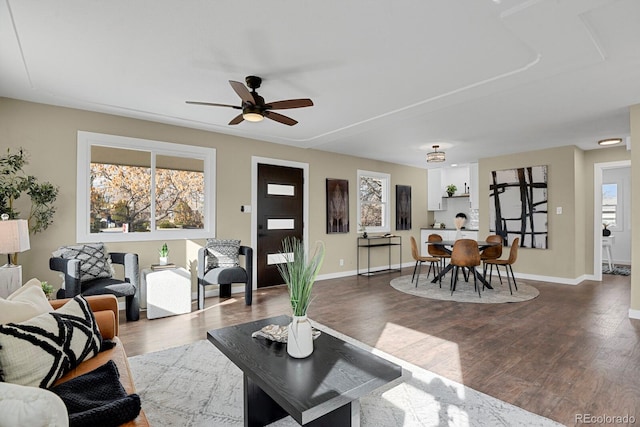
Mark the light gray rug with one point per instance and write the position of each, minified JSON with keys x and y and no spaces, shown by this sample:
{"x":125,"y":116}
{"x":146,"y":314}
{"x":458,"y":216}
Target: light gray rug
{"x":464,"y":290}
{"x":196,"y":385}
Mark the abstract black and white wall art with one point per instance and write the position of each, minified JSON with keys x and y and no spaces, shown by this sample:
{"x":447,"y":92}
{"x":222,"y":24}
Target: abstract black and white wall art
{"x":518,"y":206}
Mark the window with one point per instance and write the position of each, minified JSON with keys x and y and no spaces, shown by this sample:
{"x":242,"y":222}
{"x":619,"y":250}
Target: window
{"x":610,"y":204}
{"x":136,"y":189}
{"x":373,"y":201}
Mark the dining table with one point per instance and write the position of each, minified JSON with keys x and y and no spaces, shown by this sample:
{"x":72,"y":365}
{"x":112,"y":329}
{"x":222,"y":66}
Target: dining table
{"x":447,"y":245}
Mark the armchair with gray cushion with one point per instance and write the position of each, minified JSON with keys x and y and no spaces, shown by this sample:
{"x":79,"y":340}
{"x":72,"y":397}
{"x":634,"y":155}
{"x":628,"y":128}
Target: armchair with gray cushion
{"x":77,"y":279}
{"x":223,"y":271}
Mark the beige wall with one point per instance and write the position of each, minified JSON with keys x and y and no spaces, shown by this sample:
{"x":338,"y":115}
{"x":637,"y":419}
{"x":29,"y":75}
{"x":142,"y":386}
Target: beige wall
{"x":49,"y":134}
{"x":570,"y":184}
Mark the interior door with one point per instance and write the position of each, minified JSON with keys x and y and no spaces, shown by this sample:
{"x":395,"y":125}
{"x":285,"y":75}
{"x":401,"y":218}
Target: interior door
{"x":280,"y":208}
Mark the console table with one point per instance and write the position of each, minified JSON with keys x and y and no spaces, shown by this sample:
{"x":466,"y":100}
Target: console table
{"x":379,"y":242}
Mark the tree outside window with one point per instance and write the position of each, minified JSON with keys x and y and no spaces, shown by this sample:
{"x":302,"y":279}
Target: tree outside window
{"x":373,"y":201}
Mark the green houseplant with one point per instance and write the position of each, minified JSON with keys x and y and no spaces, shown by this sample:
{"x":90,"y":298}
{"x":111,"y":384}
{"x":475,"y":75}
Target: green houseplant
{"x":299,"y":273}
{"x":163,"y":252}
{"x":451,"y":189}
{"x":14,"y":182}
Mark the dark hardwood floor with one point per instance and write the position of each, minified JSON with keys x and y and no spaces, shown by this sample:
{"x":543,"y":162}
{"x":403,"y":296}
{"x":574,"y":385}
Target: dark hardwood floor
{"x":573,"y":350}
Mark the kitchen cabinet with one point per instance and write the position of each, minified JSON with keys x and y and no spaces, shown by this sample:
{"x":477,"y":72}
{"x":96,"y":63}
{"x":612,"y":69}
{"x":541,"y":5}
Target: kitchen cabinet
{"x":474,"y":186}
{"x":435,"y":190}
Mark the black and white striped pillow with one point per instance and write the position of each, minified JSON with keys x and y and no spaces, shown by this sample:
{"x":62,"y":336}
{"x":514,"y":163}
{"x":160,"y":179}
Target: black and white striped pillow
{"x":40,"y":350}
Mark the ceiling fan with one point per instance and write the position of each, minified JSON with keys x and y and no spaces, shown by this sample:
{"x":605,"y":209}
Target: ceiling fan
{"x":253,"y":107}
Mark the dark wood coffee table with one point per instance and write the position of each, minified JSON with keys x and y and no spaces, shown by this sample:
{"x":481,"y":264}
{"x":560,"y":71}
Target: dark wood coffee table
{"x":322,"y":389}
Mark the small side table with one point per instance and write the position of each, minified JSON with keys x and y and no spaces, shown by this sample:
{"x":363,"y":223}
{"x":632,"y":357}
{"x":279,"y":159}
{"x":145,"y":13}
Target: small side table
{"x":166,"y":292}
{"x":10,"y":280}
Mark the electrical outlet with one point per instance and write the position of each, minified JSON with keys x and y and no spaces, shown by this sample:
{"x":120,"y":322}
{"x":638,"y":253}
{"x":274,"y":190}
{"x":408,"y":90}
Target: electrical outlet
{"x":559,"y":210}
{"x":341,"y":262}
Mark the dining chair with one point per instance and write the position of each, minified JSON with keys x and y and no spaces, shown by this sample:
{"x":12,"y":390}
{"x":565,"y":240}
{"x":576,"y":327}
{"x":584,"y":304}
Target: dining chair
{"x":507,"y":263}
{"x":434,"y":262}
{"x":436,"y":250}
{"x":491,"y":252}
{"x":465,"y":254}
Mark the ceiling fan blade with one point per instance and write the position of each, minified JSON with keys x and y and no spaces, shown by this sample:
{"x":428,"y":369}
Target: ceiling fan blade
{"x":242,"y":92}
{"x":213,"y":104}
{"x":237,"y":119}
{"x":280,"y":118}
{"x":289,"y":103}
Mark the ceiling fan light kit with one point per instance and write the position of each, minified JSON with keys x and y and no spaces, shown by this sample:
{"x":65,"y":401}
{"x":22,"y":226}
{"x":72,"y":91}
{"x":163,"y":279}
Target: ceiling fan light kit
{"x":435,"y":156}
{"x":253,"y":107}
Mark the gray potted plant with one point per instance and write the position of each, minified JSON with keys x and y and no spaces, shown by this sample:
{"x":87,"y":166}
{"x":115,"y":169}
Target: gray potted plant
{"x":299,"y":273}
{"x":451,"y":190}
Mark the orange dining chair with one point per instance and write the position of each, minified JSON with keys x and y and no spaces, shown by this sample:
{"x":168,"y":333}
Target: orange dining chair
{"x":465,"y":254}
{"x":492,"y":252}
{"x":434,"y":262}
{"x":507,"y":263}
{"x":435,"y":250}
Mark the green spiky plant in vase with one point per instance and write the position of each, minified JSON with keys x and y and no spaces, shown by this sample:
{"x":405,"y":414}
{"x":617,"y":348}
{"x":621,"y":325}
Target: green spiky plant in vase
{"x":299,"y":272}
{"x":163,"y":253}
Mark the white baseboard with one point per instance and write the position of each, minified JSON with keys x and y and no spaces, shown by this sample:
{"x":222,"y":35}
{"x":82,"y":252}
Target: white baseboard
{"x":634,"y":314}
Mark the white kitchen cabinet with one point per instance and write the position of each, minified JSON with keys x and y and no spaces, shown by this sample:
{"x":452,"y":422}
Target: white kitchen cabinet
{"x":474,"y":186}
{"x":458,"y":176}
{"x":435,"y":190}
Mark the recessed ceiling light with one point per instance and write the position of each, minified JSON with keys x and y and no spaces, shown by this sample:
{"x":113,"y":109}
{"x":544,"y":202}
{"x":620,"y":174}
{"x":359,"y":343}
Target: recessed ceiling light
{"x":610,"y":141}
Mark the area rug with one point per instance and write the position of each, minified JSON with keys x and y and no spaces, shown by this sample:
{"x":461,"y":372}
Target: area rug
{"x":621,"y":270}
{"x":196,"y":385}
{"x":464,"y":290}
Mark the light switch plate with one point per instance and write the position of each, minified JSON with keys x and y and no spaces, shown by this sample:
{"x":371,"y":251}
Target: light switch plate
{"x":559,"y":210}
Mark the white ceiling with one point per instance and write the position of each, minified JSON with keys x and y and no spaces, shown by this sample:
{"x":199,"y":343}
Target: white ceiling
{"x":388,"y":79}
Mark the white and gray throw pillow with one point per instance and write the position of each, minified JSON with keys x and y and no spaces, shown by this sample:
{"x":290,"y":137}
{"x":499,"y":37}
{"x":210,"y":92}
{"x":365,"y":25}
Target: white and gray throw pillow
{"x":222,"y":253}
{"x":94,"y":260}
{"x":40,"y":350}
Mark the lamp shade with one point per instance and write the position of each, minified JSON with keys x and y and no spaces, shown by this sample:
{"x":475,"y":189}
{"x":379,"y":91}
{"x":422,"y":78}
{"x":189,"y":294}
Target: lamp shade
{"x":14,"y":236}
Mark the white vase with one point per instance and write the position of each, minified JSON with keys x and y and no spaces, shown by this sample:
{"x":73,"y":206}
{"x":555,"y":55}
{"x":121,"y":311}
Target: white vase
{"x":164,"y":260}
{"x":299,"y":337}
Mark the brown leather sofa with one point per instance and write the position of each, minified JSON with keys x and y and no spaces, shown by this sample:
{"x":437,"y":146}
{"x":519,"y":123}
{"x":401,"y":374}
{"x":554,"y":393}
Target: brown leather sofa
{"x":105,"y":309}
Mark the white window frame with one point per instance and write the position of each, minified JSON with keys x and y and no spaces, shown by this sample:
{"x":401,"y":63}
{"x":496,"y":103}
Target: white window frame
{"x":617,"y":225}
{"x":386,"y":200}
{"x":88,"y":139}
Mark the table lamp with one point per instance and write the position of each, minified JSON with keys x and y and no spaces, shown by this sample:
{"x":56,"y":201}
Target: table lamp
{"x":14,"y":237}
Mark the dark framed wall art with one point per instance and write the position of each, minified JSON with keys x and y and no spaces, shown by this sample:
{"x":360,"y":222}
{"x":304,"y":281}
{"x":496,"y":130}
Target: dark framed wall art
{"x":518,"y":206}
{"x":403,"y":207}
{"x":337,"y":206}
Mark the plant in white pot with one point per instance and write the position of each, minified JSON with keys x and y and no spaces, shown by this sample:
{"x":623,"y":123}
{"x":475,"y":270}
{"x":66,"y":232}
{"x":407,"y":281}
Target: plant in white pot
{"x":299,"y":273}
{"x":163,"y":253}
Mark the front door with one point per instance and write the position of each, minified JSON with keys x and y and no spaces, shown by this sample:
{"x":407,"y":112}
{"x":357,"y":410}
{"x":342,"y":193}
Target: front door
{"x":280,"y":207}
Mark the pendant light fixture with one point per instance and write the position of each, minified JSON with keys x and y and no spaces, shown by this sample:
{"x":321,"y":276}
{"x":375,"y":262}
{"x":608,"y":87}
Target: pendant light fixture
{"x":435,"y":155}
